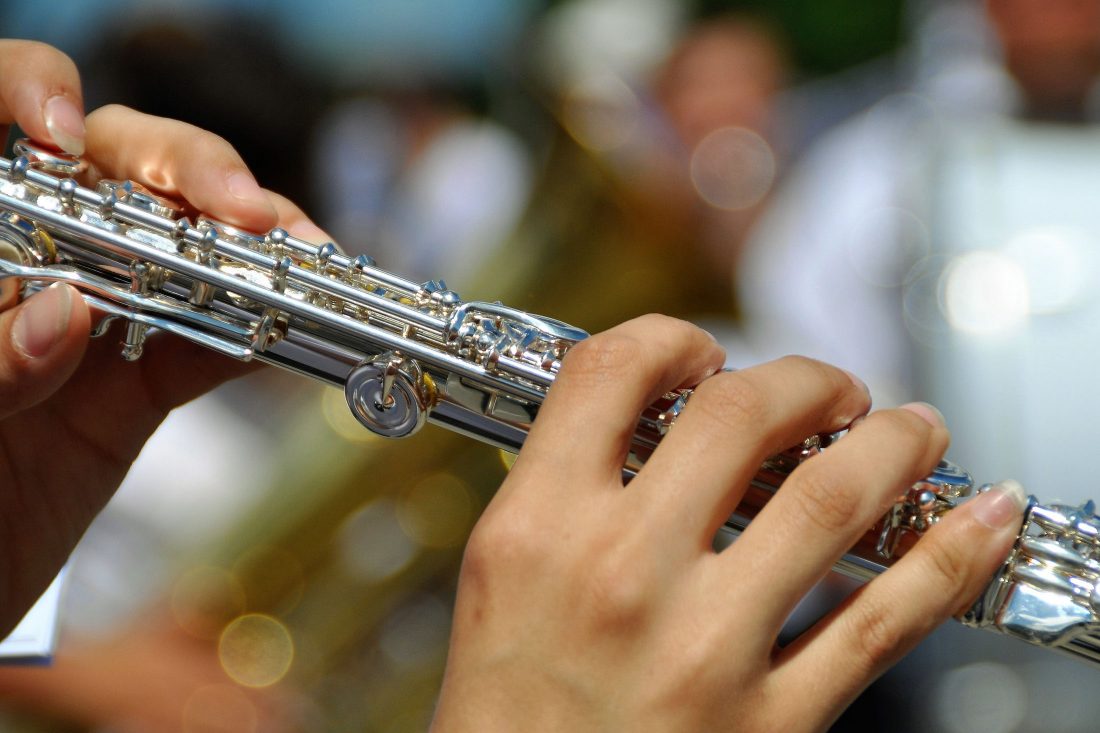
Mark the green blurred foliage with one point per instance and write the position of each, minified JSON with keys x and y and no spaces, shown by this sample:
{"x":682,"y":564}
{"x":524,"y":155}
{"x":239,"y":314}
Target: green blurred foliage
{"x":825,"y":35}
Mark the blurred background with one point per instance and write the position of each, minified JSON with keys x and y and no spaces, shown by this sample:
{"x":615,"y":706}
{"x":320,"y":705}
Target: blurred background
{"x":904,"y":188}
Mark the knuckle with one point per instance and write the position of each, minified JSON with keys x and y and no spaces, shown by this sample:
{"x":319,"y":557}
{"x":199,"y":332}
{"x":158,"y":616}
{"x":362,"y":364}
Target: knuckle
{"x":108,"y":112}
{"x":603,"y":357}
{"x":617,"y":595}
{"x":655,"y":321}
{"x":913,"y":442}
{"x":910,"y":431}
{"x":39,"y":55}
{"x":809,"y":365}
{"x":500,"y":534}
{"x":876,"y":640}
{"x":824,"y":500}
{"x":207,"y":145}
{"x":733,"y":400}
{"x":946,"y":563}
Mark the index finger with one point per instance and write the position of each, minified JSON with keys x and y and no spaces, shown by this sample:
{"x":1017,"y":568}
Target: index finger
{"x":585,"y":426}
{"x":178,"y":160}
{"x":40,"y":90}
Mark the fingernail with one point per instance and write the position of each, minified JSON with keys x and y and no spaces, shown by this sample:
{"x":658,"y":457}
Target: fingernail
{"x":244,"y":187}
{"x":931,"y":415}
{"x":65,"y":123}
{"x":1000,"y":504}
{"x":857,"y":381}
{"x":43,"y":319}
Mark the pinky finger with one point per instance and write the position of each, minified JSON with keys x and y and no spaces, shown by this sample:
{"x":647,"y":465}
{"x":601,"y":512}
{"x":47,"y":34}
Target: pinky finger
{"x":881,"y":622}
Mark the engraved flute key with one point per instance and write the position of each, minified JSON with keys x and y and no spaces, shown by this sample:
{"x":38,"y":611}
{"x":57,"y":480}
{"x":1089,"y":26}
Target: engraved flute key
{"x":407,"y":353}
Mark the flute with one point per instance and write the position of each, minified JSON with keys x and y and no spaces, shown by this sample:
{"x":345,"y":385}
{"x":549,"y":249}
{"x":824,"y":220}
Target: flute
{"x":406,"y":353}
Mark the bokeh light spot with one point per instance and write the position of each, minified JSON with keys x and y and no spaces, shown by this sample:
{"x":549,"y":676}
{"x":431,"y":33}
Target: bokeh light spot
{"x":985,"y":293}
{"x":601,"y":112}
{"x":733,"y":168}
{"x":986,"y":696}
{"x":437,"y":511}
{"x":417,"y":634}
{"x":1057,"y":264}
{"x":371,"y":543}
{"x":256,"y":650}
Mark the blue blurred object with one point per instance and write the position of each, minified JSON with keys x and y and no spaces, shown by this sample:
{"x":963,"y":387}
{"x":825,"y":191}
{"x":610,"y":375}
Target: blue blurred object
{"x":351,"y":41}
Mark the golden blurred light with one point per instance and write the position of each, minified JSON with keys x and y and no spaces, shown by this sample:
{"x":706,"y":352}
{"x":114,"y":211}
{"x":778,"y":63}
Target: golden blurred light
{"x":601,"y":112}
{"x":256,"y":650}
{"x":1058,"y":265}
{"x":371,"y":544}
{"x":985,"y":293}
{"x":205,"y":599}
{"x":437,"y":511}
{"x":219,"y":709}
{"x":338,"y":415}
{"x":986,"y":696}
{"x":733,"y":168}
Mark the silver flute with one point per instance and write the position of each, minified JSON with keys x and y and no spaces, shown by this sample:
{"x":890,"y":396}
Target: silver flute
{"x":406,"y":353}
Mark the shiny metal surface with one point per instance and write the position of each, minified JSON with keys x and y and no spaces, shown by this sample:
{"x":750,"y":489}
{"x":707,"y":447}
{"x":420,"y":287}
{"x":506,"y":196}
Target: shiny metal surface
{"x":406,"y":353}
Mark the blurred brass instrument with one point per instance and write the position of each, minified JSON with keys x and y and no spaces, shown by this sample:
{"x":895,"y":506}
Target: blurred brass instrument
{"x":406,"y":353}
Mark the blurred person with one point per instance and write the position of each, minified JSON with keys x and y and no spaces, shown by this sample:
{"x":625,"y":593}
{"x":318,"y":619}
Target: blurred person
{"x":942,"y":243}
{"x":717,"y":91}
{"x":1052,"y":50}
{"x":689,"y":148}
{"x":635,"y":589}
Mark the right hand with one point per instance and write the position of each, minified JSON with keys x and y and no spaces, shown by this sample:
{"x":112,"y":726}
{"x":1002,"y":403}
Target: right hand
{"x":587,"y":605}
{"x":73,"y":414}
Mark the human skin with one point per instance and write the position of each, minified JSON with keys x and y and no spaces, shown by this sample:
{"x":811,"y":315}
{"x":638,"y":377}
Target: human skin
{"x":587,"y":605}
{"x":73,"y":414}
{"x":583,"y":604}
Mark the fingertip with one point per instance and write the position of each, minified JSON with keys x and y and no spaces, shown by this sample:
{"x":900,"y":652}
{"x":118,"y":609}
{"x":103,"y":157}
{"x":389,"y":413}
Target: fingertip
{"x":42,"y":322}
{"x":929,"y":413}
{"x":309,"y":232}
{"x":64,"y":121}
{"x":249,"y":204}
{"x":1000,"y":505}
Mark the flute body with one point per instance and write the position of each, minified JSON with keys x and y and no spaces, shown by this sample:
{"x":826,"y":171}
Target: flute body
{"x":406,"y":353}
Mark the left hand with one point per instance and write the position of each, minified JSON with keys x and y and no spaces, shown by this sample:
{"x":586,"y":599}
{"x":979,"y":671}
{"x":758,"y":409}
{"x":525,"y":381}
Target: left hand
{"x":73,"y":414}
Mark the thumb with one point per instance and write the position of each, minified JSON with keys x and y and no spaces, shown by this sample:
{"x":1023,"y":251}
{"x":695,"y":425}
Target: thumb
{"x":42,"y":341}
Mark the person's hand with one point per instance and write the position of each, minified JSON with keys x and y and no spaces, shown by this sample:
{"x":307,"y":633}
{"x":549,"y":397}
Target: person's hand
{"x":73,"y":414}
{"x":584,"y":605}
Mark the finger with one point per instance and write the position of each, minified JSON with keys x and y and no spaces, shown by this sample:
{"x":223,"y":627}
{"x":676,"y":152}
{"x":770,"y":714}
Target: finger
{"x":40,"y":89}
{"x":939,"y":577}
{"x":180,"y":160}
{"x":41,"y":343}
{"x":829,"y":502}
{"x":732,"y":422}
{"x":585,"y":426}
{"x":294,"y":220}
